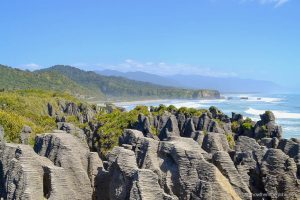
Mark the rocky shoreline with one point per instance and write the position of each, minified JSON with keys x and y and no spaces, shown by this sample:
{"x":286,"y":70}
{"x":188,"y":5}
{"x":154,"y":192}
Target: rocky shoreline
{"x":167,"y":154}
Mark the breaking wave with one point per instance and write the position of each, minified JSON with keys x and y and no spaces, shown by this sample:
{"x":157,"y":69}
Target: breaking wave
{"x":278,"y":114}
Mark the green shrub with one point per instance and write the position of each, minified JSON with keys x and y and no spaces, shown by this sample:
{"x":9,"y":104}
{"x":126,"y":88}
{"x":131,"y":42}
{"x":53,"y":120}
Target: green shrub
{"x":113,"y":125}
{"x":154,"y":130}
{"x":29,"y":107}
{"x":247,"y":126}
{"x":248,"y":120}
{"x":13,"y":124}
{"x":264,"y":128}
{"x":73,"y":119}
{"x":235,"y":126}
{"x":219,"y":122}
{"x":230,"y":140}
{"x":172,"y":108}
{"x":142,"y":109}
{"x":191,"y":111}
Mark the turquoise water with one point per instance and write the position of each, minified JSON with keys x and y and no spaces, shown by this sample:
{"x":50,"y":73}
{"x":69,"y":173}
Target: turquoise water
{"x":286,"y":107}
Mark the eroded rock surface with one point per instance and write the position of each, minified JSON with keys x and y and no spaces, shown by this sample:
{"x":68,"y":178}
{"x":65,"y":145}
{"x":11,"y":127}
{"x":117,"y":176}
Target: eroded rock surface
{"x":176,"y":168}
{"x":66,"y":151}
{"x":26,"y":175}
{"x":279,"y":175}
{"x":61,"y":167}
{"x":190,"y":160}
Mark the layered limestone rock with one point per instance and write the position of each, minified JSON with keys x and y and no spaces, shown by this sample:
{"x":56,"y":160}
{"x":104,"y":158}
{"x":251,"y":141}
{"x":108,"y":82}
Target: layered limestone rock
{"x":267,"y":127}
{"x":247,"y":158}
{"x":25,"y":134}
{"x":188,"y":128}
{"x":124,"y":180}
{"x":223,"y":162}
{"x":66,"y":151}
{"x":176,"y":168}
{"x":1,"y":133}
{"x":291,"y":147}
{"x":170,"y":128}
{"x":192,"y":160}
{"x":64,"y":168}
{"x":72,"y":129}
{"x":279,"y":175}
{"x":25,"y":175}
{"x":214,"y":142}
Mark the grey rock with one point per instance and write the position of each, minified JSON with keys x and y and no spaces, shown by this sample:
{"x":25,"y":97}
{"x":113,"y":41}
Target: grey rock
{"x":248,"y":157}
{"x":95,"y":166}
{"x":1,"y":133}
{"x":170,"y":128}
{"x":50,"y":110}
{"x":215,"y":112}
{"x":25,"y":134}
{"x":198,"y":136}
{"x":204,"y":122}
{"x":214,"y":142}
{"x":26,"y":175}
{"x":71,"y":154}
{"x":71,"y":109}
{"x":195,"y":120}
{"x":145,"y":186}
{"x":169,"y":160}
{"x":71,"y":129}
{"x":223,"y":162}
{"x":269,"y":130}
{"x":188,"y":128}
{"x":269,"y":142}
{"x":291,"y":147}
{"x":86,"y":113}
{"x":237,"y":117}
{"x":267,"y":127}
{"x":162,"y":120}
{"x":267,"y":117}
{"x":130,"y":136}
{"x":144,"y":124}
{"x":279,"y":175}
{"x":246,"y":144}
{"x":190,"y":182}
{"x":215,"y":127}
{"x":127,"y":181}
{"x":181,"y":120}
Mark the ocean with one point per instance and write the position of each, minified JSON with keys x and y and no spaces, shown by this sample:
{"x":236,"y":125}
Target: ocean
{"x":286,"y":107}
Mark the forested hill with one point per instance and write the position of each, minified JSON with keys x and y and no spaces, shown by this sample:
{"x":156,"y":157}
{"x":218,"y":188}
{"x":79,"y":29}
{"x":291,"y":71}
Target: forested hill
{"x":89,"y":84}
{"x":16,"y":79}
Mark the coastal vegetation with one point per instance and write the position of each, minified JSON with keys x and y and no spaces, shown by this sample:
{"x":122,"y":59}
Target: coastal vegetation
{"x":91,"y":86}
{"x":19,"y":108}
{"x":29,"y":107}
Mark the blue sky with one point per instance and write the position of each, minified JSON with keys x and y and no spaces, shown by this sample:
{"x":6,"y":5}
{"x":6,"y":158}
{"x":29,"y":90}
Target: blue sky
{"x":257,"y":39}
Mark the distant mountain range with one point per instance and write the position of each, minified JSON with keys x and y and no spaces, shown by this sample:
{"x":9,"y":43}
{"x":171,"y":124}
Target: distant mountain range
{"x":142,"y":76}
{"x":230,"y":84}
{"x":88,"y":84}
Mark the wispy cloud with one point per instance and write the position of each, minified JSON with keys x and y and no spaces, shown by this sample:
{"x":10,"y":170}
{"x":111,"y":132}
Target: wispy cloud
{"x":163,"y":68}
{"x":31,"y":66}
{"x":276,"y":3}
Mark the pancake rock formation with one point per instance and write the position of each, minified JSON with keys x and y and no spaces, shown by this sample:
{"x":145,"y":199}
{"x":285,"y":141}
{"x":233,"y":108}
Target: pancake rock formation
{"x":188,"y":158}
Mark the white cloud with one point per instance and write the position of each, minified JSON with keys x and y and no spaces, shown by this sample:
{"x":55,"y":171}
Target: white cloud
{"x":32,"y":66}
{"x":163,"y":68}
{"x":276,"y":3}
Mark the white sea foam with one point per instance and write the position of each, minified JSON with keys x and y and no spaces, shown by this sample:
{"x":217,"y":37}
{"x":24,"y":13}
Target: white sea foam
{"x":265,"y":99}
{"x":212,"y":101}
{"x":278,"y":114}
{"x":291,"y":129}
{"x":189,"y":104}
{"x":252,"y":98}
